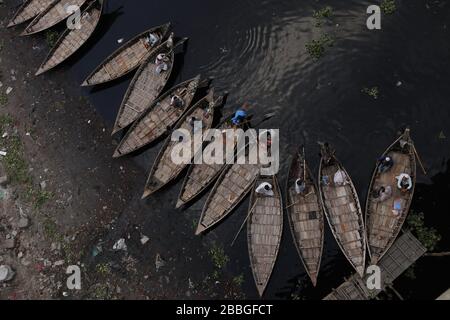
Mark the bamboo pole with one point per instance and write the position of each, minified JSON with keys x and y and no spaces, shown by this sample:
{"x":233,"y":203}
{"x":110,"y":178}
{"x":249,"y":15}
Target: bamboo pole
{"x":242,"y":226}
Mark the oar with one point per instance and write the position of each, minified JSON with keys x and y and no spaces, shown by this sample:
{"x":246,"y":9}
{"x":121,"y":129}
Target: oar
{"x":242,"y":226}
{"x":418,"y":158}
{"x":266,"y":117}
{"x":293,"y":204}
{"x":304,"y":164}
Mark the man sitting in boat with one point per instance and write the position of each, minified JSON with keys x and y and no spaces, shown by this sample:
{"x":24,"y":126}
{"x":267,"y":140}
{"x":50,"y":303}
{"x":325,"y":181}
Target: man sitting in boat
{"x":404,"y":182}
{"x":265,"y":189}
{"x":340,"y":178}
{"x":385,"y":164}
{"x":241,"y":115}
{"x":161,"y":63}
{"x":176,"y":102}
{"x":300,"y":186}
{"x":383,"y":194}
{"x":152,"y":39}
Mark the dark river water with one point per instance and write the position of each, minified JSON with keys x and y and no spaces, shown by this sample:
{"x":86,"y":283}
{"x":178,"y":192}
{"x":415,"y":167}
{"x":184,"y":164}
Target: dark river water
{"x":256,"y":51}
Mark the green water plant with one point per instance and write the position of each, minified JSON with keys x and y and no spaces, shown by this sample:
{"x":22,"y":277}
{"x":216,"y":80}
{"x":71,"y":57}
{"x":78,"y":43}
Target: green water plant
{"x":51,"y":37}
{"x":316,"y":48}
{"x":388,"y":6}
{"x":428,"y":236}
{"x":371,"y":92}
{"x":322,"y":14}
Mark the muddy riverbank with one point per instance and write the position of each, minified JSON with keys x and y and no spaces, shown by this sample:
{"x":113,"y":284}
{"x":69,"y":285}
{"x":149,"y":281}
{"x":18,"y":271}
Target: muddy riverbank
{"x":78,"y":202}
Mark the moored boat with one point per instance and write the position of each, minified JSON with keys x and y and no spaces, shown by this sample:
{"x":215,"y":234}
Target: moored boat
{"x":159,"y":118}
{"x":383,"y":220}
{"x":232,"y":186}
{"x":305,"y":215}
{"x":165,"y":169}
{"x":128,"y":57}
{"x":201,"y":176}
{"x":28,"y":10}
{"x":72,"y":39}
{"x":147,"y":84}
{"x":56,"y":12}
{"x":264,"y":231}
{"x":342,"y":208}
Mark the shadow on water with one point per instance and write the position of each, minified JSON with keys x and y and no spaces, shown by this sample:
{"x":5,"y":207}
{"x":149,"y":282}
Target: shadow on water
{"x":256,"y":50}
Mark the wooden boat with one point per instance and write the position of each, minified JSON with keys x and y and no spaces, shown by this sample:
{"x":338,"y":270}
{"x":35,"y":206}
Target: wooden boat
{"x":158,"y":119}
{"x":164,"y":169}
{"x":264,"y":231}
{"x":72,"y":39}
{"x":28,"y":10}
{"x":52,"y":15}
{"x":127,"y":58}
{"x":201,"y":176}
{"x":343,"y":210}
{"x":232,"y":186}
{"x":306,"y":216}
{"x":383,"y":226}
{"x":146,"y":85}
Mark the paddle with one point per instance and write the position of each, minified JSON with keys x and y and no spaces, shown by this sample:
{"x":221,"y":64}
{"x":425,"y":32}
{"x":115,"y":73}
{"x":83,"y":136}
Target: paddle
{"x":293,"y":204}
{"x":242,"y":226}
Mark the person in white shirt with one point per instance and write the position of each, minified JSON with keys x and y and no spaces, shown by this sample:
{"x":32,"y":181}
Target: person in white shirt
{"x":404,"y":182}
{"x":340,"y":178}
{"x":152,"y":39}
{"x":266,"y":189}
{"x":161,"y":63}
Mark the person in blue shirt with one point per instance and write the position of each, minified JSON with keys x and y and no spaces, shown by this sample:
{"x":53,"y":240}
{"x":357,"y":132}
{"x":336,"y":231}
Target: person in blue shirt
{"x":241,"y":115}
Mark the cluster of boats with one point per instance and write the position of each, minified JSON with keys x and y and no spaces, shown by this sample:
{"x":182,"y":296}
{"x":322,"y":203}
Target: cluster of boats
{"x":151,"y":114}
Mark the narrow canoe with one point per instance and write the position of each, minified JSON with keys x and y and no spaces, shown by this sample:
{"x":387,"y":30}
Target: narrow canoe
{"x":306,"y":216}
{"x":264,"y":231}
{"x":52,"y":15}
{"x":164,"y":169}
{"x":382,"y":225}
{"x":201,"y":176}
{"x":146,"y":86}
{"x":28,"y":10}
{"x":232,"y":186}
{"x":343,"y":210}
{"x":71,"y":40}
{"x":158,"y":119}
{"x":127,"y":58}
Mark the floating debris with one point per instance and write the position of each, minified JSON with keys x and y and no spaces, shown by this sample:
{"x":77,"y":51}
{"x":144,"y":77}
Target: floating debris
{"x":6,"y":273}
{"x":159,"y":262}
{"x":120,"y":245}
{"x":144,"y":239}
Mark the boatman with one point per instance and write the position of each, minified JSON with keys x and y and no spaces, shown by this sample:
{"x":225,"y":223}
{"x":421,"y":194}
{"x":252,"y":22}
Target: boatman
{"x":300,"y":186}
{"x":265,"y":189}
{"x":176,"y":102}
{"x":241,"y":115}
{"x":404,"y":182}
{"x":385,"y":163}
{"x":161,"y":63}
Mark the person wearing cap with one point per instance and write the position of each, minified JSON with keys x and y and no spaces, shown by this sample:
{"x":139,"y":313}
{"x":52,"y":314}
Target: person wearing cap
{"x":265,"y":189}
{"x":300,"y":186}
{"x":385,"y":163}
